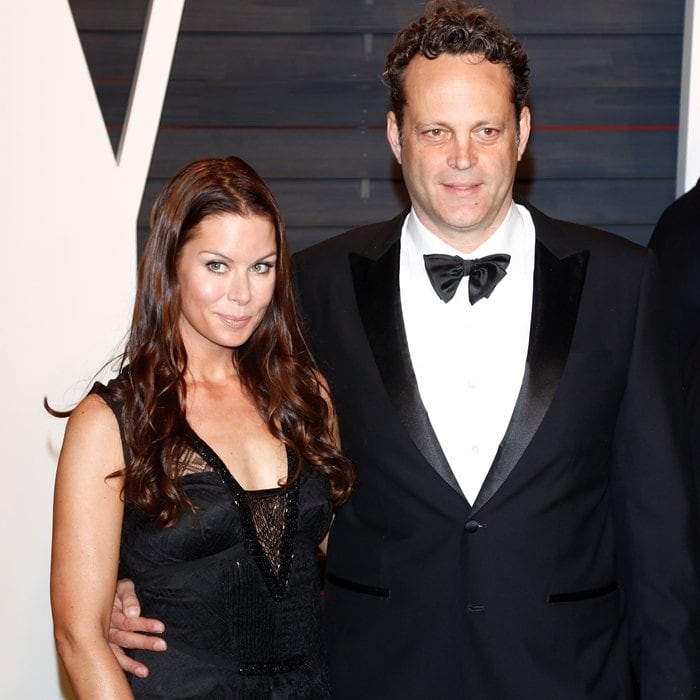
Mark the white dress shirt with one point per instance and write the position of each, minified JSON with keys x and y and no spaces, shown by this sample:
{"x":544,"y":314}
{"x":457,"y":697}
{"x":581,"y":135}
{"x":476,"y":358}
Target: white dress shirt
{"x":469,"y":360}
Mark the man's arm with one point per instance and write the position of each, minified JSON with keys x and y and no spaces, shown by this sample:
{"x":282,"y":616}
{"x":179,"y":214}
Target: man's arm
{"x":128,"y":630}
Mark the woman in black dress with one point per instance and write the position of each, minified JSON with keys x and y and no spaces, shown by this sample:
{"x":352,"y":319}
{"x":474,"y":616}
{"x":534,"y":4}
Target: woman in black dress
{"x":207,"y":470}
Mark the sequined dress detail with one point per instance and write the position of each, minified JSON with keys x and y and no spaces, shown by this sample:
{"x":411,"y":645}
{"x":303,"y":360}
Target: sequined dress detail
{"x":236,"y":583}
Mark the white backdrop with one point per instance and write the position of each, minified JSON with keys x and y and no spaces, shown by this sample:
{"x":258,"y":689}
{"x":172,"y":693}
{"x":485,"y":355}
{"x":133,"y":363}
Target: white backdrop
{"x":689,"y":127}
{"x":68,"y":252}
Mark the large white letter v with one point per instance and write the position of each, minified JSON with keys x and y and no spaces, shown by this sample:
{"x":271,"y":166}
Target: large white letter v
{"x":68,"y":251}
{"x":147,"y":95}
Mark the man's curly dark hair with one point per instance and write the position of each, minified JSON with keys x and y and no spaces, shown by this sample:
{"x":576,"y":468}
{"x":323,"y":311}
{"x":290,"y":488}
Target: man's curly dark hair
{"x":451,"y":27}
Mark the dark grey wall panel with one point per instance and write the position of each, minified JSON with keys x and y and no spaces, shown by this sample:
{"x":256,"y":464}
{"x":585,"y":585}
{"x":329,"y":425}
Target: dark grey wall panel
{"x":319,"y":153}
{"x":601,"y":153}
{"x":602,"y":203}
{"x":293,"y":87}
{"x":523,"y":16}
{"x":296,"y":79}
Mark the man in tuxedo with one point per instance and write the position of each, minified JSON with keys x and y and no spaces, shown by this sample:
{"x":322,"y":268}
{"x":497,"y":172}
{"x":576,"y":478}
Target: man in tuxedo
{"x":676,"y":242}
{"x":524,"y":521}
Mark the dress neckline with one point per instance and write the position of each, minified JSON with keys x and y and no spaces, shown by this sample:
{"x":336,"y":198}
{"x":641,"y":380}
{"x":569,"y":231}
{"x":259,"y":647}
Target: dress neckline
{"x":275,"y":579}
{"x":210,"y":456}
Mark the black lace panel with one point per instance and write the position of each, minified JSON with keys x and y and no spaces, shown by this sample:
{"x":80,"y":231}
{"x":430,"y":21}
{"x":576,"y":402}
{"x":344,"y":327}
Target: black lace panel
{"x":190,"y":462}
{"x":267,"y":509}
{"x":268,"y":518}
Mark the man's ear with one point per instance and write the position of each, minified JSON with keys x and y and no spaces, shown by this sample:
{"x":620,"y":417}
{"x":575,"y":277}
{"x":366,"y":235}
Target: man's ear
{"x":524,"y":133}
{"x":393,"y":135}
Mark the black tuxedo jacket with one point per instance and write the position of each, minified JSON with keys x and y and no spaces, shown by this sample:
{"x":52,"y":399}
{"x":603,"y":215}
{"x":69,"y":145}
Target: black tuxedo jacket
{"x":573,"y":574}
{"x":676,"y":242}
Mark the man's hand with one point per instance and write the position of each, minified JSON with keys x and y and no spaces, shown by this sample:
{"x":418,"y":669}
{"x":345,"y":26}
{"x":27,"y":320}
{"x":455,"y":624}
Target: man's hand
{"x":127,"y":628}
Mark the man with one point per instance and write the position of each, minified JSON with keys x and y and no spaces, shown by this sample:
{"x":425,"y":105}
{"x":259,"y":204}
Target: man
{"x":676,"y":242}
{"x":524,"y":525}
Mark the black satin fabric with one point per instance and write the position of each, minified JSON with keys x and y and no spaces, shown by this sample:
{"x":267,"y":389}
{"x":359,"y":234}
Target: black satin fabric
{"x":445,"y":272}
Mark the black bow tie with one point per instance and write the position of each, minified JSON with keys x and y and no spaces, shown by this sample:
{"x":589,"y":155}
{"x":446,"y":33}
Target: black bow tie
{"x":446,"y":272}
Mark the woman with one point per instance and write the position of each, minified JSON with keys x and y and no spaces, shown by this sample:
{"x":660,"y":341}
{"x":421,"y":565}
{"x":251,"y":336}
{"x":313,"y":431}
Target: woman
{"x":207,"y":470}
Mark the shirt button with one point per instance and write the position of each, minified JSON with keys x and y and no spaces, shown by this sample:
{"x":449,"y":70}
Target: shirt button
{"x":475,"y":449}
{"x":471,"y":385}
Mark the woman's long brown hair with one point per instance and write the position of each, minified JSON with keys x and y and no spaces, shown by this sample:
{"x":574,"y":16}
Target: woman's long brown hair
{"x":275,"y":365}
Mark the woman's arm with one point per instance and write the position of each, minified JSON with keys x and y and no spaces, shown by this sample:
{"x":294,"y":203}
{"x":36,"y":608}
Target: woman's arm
{"x":88,"y":512}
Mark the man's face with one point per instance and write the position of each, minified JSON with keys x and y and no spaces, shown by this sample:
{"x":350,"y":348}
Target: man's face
{"x":459,"y":145}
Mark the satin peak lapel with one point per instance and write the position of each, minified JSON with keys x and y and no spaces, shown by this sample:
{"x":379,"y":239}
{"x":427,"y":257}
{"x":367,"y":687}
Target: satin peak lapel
{"x":378,"y":300}
{"x":558,"y":284}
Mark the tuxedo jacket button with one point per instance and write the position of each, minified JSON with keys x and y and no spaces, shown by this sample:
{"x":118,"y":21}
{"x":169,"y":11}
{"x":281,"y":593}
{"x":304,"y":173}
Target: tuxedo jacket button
{"x":471,"y":526}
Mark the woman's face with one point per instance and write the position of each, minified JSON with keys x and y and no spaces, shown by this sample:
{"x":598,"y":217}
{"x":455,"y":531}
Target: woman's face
{"x":226,"y":279}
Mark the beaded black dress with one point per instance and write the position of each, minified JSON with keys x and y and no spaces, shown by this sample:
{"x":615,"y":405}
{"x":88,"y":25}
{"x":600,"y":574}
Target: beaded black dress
{"x":236,"y":583}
